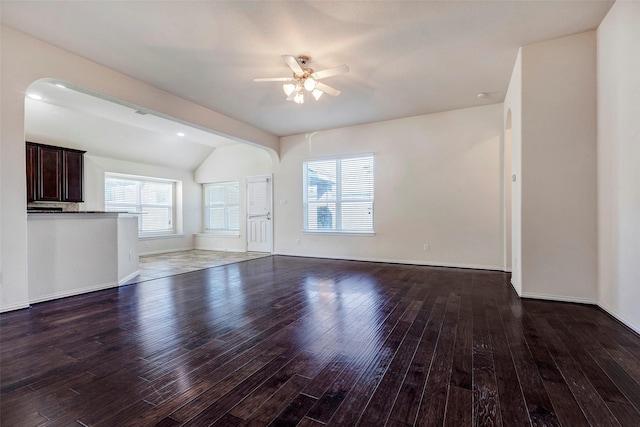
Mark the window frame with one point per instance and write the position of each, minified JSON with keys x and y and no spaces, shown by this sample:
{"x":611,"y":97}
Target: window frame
{"x":220,"y":231}
{"x":339,"y":200}
{"x":138,"y":208}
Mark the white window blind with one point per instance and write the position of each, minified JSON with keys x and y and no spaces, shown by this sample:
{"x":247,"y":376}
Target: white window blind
{"x":338,"y":195}
{"x":222,"y":206}
{"x":152,"y":199}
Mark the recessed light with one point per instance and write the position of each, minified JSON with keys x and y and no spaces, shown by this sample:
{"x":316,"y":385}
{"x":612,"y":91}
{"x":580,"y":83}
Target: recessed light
{"x":35,"y":96}
{"x":180,"y":134}
{"x":482,"y":95}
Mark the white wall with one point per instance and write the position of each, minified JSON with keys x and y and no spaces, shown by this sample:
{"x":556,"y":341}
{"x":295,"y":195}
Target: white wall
{"x":231,"y":163}
{"x":437,"y":180}
{"x":71,"y":254}
{"x":189,"y":195}
{"x":25,"y":60}
{"x":13,"y":229}
{"x":128,"y":252}
{"x":619,"y":162}
{"x":513,"y":113}
{"x":507,"y":173}
{"x":559,"y":175}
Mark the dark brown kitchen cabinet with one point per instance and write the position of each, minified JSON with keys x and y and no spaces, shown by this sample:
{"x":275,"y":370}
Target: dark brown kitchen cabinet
{"x":49,"y":170}
{"x":54,"y":174}
{"x":72,"y":176}
{"x":32,"y":173}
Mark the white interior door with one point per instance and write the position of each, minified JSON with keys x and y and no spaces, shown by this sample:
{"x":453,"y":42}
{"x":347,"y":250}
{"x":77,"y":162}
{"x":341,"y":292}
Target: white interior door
{"x":259,"y":218}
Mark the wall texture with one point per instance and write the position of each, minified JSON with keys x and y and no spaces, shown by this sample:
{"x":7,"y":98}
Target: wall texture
{"x":188,"y":195}
{"x":559,"y":175}
{"x":438,"y":180}
{"x":25,"y":60}
{"x":619,"y":163}
{"x":64,"y":261}
{"x":513,"y":121}
{"x":231,"y":163}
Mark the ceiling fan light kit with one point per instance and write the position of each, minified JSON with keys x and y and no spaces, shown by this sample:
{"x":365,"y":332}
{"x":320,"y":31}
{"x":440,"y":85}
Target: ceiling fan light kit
{"x":305,"y":79}
{"x":288,"y":88}
{"x":309,"y":84}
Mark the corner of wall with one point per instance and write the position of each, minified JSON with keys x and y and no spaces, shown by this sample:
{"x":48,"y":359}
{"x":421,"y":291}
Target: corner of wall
{"x":513,"y":112}
{"x":618,"y":156}
{"x":559,"y":172}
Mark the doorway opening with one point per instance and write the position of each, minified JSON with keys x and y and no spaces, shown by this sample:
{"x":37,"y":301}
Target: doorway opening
{"x":259,"y":213}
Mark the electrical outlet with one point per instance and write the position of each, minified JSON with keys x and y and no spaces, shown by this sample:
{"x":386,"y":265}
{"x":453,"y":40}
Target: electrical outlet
{"x":426,"y":247}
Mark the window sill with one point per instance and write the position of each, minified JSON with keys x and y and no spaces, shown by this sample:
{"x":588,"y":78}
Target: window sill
{"x":212,"y":234}
{"x":341,"y":233}
{"x":159,"y":236}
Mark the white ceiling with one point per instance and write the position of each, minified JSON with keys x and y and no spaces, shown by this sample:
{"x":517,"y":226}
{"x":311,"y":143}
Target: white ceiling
{"x":406,"y":58}
{"x":74,"y":119}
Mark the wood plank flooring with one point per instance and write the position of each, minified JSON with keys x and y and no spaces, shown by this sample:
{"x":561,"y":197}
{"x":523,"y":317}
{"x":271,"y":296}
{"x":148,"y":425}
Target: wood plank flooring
{"x":289,"y":341}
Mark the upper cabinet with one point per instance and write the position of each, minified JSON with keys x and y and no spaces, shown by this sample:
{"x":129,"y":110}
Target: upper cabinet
{"x":72,"y":176}
{"x":54,"y":174}
{"x":49,"y":173}
{"x":32,"y":171}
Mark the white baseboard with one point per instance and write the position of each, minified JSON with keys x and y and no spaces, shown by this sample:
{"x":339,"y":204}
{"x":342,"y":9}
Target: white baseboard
{"x":73,"y":292}
{"x":401,"y":261}
{"x":513,"y":286}
{"x":627,"y":322}
{"x":560,"y":298}
{"x":222,"y":250}
{"x":13,"y":307}
{"x":129,"y":277}
{"x":216,"y":236}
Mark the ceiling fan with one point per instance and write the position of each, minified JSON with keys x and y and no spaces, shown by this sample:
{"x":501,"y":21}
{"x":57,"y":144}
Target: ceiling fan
{"x":305,"y":78}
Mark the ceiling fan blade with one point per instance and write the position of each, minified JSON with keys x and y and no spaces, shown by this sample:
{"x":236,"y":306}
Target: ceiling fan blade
{"x":275,"y":79}
{"x":327,"y":89}
{"x":330,"y":72}
{"x":292,"y":62}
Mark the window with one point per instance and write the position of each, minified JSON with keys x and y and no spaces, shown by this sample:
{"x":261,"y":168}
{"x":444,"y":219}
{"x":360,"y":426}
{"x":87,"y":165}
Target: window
{"x":153,"y":199}
{"x":222,"y":206}
{"x":338,"y":195}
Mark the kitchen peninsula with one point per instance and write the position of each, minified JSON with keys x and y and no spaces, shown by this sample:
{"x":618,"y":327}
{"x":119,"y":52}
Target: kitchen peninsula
{"x":71,"y":253}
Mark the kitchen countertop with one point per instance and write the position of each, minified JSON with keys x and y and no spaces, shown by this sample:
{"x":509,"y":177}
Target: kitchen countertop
{"x":65,"y":212}
{"x":77,"y":214}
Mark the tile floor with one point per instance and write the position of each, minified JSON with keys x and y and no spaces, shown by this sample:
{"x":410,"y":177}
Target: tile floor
{"x":172,"y":263}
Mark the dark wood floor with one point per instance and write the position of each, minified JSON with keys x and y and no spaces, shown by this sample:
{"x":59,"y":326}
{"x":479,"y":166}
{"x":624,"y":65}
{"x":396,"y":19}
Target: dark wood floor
{"x":297,"y":341}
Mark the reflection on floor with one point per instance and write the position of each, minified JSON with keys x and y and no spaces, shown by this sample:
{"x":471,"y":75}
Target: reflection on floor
{"x":172,"y":263}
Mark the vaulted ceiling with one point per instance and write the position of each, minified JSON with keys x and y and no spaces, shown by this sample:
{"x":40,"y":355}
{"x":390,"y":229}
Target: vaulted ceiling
{"x":74,"y":119}
{"x":406,"y":58}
